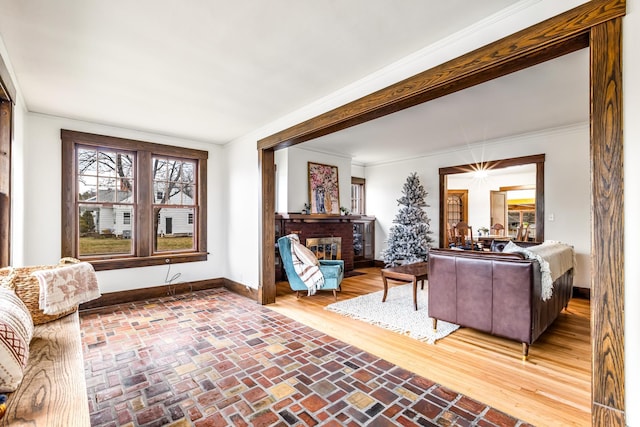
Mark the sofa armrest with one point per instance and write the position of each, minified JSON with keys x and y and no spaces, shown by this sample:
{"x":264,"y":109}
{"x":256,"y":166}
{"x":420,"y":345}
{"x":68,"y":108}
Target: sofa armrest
{"x":333,"y":262}
{"x":331,"y":268}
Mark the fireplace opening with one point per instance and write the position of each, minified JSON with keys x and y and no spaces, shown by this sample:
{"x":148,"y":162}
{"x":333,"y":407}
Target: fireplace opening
{"x":329,"y":248}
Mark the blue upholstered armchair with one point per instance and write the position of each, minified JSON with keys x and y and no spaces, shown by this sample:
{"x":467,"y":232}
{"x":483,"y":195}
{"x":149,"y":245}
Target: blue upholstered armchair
{"x":332,"y":270}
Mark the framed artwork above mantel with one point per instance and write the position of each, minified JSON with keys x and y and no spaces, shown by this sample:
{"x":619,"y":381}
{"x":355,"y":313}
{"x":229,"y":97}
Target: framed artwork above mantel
{"x":324,"y":190}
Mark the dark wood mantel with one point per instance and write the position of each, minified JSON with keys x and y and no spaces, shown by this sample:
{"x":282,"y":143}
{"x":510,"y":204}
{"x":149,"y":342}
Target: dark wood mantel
{"x":317,"y":217}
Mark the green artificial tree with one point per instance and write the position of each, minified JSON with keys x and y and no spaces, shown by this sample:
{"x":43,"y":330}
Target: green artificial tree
{"x":410,"y":238}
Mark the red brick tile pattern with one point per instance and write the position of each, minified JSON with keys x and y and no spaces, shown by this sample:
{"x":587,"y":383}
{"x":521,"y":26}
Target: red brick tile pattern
{"x":213,"y":358}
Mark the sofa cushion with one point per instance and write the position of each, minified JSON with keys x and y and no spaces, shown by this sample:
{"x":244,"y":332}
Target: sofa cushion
{"x":16,"y":331}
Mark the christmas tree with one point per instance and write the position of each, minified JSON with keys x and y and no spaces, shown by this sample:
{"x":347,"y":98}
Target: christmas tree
{"x":410,"y":237}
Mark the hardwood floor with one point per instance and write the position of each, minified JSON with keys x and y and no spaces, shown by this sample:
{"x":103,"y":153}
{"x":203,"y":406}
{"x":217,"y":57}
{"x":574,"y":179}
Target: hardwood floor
{"x":552,"y":388}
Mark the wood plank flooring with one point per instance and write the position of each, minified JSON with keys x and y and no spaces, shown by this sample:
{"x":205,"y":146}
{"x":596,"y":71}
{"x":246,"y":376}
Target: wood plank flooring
{"x":552,"y":388}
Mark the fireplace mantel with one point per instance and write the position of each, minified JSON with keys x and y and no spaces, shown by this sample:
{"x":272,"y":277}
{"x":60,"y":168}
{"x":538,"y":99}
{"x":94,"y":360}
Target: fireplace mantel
{"x":309,"y":226}
{"x":316,"y":217}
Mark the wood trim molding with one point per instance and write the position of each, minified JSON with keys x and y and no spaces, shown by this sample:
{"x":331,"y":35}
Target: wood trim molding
{"x":607,"y":226}
{"x":124,"y":297}
{"x":549,"y":39}
{"x":493,"y":164}
{"x":267,"y":288}
{"x":7,"y":88}
{"x":144,"y":254}
{"x":6,"y":111}
{"x":595,"y":24}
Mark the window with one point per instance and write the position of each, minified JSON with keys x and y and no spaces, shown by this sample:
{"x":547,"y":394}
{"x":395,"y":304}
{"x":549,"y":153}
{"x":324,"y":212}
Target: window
{"x":357,"y":196}
{"x":132,"y":203}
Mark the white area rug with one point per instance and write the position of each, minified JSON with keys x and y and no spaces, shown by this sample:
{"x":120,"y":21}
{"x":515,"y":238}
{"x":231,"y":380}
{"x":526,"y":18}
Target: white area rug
{"x":396,"y":313}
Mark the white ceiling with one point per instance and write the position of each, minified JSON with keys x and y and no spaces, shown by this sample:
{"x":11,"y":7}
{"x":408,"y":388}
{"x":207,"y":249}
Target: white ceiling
{"x":550,"y":95}
{"x":214,"y":70}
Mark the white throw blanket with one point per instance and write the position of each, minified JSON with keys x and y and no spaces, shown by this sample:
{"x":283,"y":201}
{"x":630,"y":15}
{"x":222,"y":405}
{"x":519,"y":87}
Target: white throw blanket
{"x":555,"y":259}
{"x":64,"y":288}
{"x":305,"y":264}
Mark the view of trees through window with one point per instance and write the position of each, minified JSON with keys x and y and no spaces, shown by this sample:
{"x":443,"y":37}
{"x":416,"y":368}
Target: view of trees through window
{"x":174,"y":187}
{"x":107,"y":202}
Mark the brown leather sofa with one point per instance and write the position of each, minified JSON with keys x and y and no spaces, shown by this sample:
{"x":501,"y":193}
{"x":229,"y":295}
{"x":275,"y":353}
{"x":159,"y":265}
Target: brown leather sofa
{"x":497,"y":293}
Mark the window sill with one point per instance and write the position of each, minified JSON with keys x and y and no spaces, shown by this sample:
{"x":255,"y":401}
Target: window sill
{"x":119,"y":263}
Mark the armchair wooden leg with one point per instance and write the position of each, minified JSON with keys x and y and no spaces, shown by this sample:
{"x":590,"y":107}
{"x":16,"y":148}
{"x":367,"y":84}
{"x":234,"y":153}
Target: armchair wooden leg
{"x":525,"y":351}
{"x":434,"y":322}
{"x":297,"y":294}
{"x":335,"y":295}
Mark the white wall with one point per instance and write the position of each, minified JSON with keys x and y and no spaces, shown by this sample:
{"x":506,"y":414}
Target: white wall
{"x":40,"y":164}
{"x":357,"y":171}
{"x":631,"y":102}
{"x":298,"y":176}
{"x":567,"y":186}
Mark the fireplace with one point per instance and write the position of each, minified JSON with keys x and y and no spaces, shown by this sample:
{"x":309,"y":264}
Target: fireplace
{"x":339,"y":228}
{"x":325,"y":247}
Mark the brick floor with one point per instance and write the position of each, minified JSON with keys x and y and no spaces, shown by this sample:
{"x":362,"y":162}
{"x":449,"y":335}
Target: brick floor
{"x":213,"y":358}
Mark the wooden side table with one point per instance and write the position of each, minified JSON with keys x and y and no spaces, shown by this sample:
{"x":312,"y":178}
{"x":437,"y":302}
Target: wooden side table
{"x":411,"y":273}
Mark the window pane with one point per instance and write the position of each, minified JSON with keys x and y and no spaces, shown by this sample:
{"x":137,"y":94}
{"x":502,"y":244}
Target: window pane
{"x":106,"y":163}
{"x":159,"y":169}
{"x":174,"y":181}
{"x":159,"y":192}
{"x":106,"y":189}
{"x":188,"y":172}
{"x":124,"y":165}
{"x":173,"y":229}
{"x":87,"y":162}
{"x":87,"y":193}
{"x":188,"y":192}
{"x":103,"y":229}
{"x":125,"y":191}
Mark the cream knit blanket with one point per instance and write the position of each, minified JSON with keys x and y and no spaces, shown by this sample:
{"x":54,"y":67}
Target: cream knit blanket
{"x":64,"y":288}
{"x":555,"y":259}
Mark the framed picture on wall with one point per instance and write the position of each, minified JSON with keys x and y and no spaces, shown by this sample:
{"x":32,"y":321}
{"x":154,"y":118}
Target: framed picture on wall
{"x":324,"y":192}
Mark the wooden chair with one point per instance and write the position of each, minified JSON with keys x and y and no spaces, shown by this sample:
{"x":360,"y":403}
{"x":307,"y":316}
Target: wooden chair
{"x":523,"y":233}
{"x":463,"y":237}
{"x":497,"y":229}
{"x":451,"y":235}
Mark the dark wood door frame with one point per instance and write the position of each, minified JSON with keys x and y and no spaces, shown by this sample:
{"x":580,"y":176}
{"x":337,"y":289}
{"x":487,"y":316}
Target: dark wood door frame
{"x":537,"y":159}
{"x":7,"y":98}
{"x":596,"y":24}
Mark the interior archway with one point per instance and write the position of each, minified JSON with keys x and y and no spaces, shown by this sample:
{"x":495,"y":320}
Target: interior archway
{"x":596,"y":24}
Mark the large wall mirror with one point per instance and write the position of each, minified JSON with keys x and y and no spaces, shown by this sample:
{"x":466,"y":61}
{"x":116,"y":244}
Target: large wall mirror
{"x":507,"y":191}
